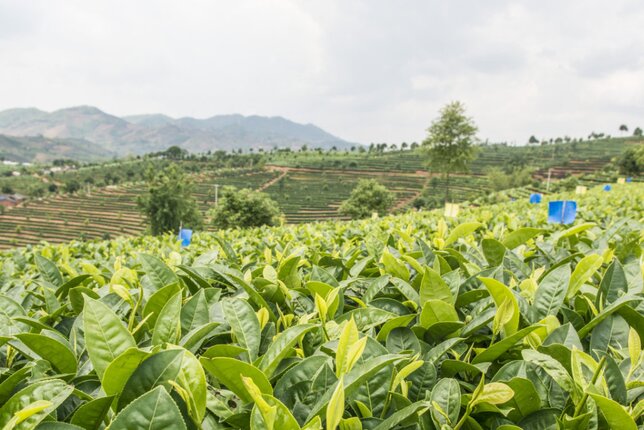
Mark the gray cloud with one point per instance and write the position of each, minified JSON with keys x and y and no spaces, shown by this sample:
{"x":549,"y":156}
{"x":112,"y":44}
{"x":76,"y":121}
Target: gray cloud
{"x":366,"y":70}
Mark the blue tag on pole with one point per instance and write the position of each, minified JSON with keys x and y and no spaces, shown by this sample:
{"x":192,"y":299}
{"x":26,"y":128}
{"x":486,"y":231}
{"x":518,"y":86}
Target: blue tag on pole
{"x":535,"y":198}
{"x":607,"y":187}
{"x":562,"y":211}
{"x":185,"y":236}
{"x":629,"y":179}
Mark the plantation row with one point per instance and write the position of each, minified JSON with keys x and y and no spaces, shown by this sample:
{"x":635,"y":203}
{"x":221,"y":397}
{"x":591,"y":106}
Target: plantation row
{"x":494,"y":319}
{"x":104,"y":212}
{"x":112,"y":211}
{"x":580,"y":157}
{"x":303,"y":196}
{"x":306,"y":196}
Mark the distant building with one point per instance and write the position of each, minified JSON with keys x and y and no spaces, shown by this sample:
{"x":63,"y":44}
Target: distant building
{"x":9,"y":200}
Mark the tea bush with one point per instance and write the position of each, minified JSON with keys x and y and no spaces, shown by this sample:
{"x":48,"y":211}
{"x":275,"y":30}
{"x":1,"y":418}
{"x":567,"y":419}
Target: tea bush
{"x":495,"y":319}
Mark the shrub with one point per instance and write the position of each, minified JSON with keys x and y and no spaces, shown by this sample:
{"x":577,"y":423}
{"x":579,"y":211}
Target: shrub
{"x":244,"y":208}
{"x":367,"y":197}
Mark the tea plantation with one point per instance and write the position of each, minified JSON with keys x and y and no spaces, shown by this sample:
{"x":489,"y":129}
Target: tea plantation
{"x":495,"y":319}
{"x":307,"y":186}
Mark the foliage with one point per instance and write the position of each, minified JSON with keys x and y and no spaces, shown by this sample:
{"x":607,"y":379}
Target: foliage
{"x":72,"y":186}
{"x":367,"y":197}
{"x":494,"y":320}
{"x":449,"y":144}
{"x":567,"y":184}
{"x":169,"y":203}
{"x":244,"y":208}
{"x":632,"y":161}
{"x":500,"y":180}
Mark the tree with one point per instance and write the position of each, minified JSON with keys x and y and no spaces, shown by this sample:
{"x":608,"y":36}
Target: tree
{"x":72,"y":186}
{"x":175,"y":153}
{"x":367,"y":197}
{"x":623,"y":128}
{"x":244,"y":208}
{"x":449,"y":144}
{"x":632,"y":161}
{"x":169,"y":203}
{"x":637,"y":132}
{"x":533,"y":140}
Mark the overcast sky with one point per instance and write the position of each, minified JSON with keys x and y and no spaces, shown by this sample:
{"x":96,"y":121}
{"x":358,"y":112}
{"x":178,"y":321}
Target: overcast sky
{"x":365,"y":70}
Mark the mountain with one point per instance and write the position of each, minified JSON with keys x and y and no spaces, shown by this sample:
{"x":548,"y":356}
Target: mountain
{"x":140,"y":134}
{"x":43,"y":150}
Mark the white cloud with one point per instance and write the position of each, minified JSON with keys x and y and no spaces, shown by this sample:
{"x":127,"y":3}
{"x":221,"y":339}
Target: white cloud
{"x":366,"y":70}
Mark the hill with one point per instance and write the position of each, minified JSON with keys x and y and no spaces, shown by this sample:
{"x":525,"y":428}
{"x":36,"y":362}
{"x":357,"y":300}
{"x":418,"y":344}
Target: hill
{"x":141,"y":134}
{"x":308,"y":186}
{"x":44,"y":150}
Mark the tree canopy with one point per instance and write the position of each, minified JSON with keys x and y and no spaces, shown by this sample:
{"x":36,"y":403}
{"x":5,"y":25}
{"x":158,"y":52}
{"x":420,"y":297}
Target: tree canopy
{"x":244,"y":208}
{"x":632,"y":161}
{"x":169,"y":204}
{"x":449,"y":143}
{"x":367,"y":197}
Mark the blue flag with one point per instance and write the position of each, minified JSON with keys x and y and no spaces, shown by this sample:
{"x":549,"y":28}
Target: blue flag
{"x":562,"y":211}
{"x":185,"y":236}
{"x":535,"y":198}
{"x":607,"y":187}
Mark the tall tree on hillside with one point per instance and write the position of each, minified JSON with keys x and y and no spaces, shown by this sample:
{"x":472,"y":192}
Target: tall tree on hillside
{"x":637,"y":132}
{"x":169,"y":202}
{"x":449,"y":143}
{"x":623,"y":128}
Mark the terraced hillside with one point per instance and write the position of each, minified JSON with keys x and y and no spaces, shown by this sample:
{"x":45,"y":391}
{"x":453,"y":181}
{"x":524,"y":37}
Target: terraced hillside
{"x":313,"y":195}
{"x":570,"y":158}
{"x":104,"y":212}
{"x":307,"y":186}
{"x":304,"y":196}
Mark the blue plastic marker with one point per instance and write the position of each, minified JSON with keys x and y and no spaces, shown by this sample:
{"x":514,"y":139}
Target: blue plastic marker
{"x":562,"y":211}
{"x":535,"y":198}
{"x":185,"y":236}
{"x":629,"y":179}
{"x":607,"y":187}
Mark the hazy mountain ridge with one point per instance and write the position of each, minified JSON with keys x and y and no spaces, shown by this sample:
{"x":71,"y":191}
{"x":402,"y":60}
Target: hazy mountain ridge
{"x":28,"y":149}
{"x":139,"y":134}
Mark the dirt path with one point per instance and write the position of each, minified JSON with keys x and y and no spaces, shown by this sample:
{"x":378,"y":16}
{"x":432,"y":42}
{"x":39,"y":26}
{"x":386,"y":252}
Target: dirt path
{"x":401,"y":204}
{"x":283,"y":172}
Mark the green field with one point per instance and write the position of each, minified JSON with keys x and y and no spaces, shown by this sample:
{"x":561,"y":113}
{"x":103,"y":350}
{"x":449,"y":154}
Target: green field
{"x":493,"y":319}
